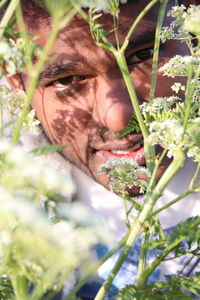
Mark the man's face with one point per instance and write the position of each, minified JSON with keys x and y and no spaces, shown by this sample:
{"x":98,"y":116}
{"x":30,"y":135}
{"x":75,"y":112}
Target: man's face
{"x":82,"y":101}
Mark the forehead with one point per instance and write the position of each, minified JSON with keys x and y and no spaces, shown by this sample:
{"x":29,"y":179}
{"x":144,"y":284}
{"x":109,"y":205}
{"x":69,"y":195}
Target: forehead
{"x":77,"y":31}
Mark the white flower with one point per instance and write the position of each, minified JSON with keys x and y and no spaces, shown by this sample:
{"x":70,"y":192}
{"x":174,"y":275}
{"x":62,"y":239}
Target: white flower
{"x":13,"y":56}
{"x":177,"y":86}
{"x":180,"y":65}
{"x":99,"y":4}
{"x":194,"y":152}
{"x":158,"y":104}
{"x":5,"y":49}
{"x":24,"y":174}
{"x":123,"y":175}
{"x":167,"y":133}
{"x":32,"y":123}
{"x":192,"y":20}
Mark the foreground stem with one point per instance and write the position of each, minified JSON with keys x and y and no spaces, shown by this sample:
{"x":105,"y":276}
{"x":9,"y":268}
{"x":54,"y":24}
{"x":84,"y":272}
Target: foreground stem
{"x":20,"y":287}
{"x":149,"y":270}
{"x":136,"y":22}
{"x":143,"y":255}
{"x":33,"y":84}
{"x":8,"y":15}
{"x":148,"y":148}
{"x":161,"y":15}
{"x":173,"y":168}
{"x":94,"y":268}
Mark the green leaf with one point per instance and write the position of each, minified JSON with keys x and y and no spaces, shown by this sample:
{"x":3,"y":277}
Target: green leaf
{"x":191,"y":284}
{"x":6,"y":290}
{"x":158,"y":244}
{"x":133,"y":126}
{"x":154,"y":291}
{"x":47,"y":149}
{"x":188,"y":229}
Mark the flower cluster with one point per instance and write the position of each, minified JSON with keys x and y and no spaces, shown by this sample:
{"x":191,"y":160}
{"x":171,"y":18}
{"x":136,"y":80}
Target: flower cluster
{"x":102,"y":4}
{"x":167,"y":127}
{"x":41,"y":249}
{"x":158,"y":108}
{"x":180,"y":65}
{"x":185,"y":24}
{"x":125,"y":174}
{"x":177,"y":86}
{"x":12,"y":102}
{"x":192,"y":20}
{"x":25,"y":176}
{"x":27,"y":237}
{"x":31,"y":123}
{"x":167,"y":133}
{"x":12,"y":58}
{"x":173,"y":123}
{"x":42,"y":252}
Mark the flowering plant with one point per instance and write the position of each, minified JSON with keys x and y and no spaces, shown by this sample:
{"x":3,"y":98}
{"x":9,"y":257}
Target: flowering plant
{"x":30,"y":268}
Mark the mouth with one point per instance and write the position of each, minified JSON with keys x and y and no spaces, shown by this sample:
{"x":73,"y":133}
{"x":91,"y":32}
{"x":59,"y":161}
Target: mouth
{"x":123,"y":148}
{"x":136,"y":153}
{"x":131,"y":147}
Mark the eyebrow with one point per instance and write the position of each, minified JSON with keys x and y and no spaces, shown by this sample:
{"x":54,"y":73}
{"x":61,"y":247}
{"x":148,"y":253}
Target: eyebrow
{"x":80,"y":66}
{"x":56,"y":70}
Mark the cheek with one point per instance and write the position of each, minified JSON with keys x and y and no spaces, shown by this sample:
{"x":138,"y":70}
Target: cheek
{"x":163,"y":86}
{"x":61,"y":121}
{"x":141,"y":76}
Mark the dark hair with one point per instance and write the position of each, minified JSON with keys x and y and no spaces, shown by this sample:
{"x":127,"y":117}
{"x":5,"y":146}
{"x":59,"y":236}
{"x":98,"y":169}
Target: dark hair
{"x":33,"y":11}
{"x":30,"y":8}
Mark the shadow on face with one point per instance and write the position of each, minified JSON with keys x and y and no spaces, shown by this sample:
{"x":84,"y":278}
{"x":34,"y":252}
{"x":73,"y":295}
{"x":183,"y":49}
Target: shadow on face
{"x":82,"y":101}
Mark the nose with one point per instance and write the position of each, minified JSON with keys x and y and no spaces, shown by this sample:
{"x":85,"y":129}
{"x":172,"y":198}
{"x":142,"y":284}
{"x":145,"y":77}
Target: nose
{"x":112,"y":108}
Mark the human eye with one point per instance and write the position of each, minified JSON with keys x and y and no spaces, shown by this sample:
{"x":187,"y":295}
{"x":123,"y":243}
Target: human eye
{"x":140,"y":56}
{"x":66,"y":81}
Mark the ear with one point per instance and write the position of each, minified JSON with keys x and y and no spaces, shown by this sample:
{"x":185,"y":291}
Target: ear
{"x":190,"y":2}
{"x":16,"y":81}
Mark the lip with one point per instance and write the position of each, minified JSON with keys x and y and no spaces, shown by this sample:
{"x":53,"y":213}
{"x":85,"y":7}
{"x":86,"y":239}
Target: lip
{"x":118,"y":144}
{"x":132,"y":145}
{"x":137,"y":155}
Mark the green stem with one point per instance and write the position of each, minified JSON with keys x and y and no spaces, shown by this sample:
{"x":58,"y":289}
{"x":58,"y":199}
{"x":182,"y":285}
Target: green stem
{"x":107,"y":44}
{"x":93,"y":268}
{"x":24,"y":35}
{"x":136,"y":22}
{"x":8,"y":15}
{"x":126,"y":210}
{"x":2,"y":3}
{"x":1,"y":118}
{"x":149,"y":270}
{"x":143,"y":256}
{"x":195,"y":176}
{"x":126,"y":75}
{"x":35,"y":76}
{"x":173,"y":168}
{"x":116,"y":28}
{"x":149,"y":149}
{"x":153,"y":177}
{"x":188,"y":99}
{"x":188,"y":94}
{"x":20,"y":287}
{"x":161,"y":15}
{"x":183,"y":195}
{"x":180,"y":197}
